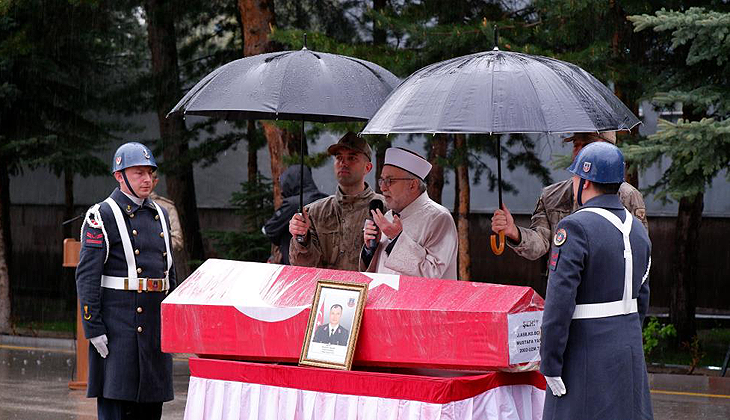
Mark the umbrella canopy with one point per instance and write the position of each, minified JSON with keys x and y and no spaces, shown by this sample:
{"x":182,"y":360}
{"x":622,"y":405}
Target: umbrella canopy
{"x":291,"y":85}
{"x":501,"y":92}
{"x":299,"y":85}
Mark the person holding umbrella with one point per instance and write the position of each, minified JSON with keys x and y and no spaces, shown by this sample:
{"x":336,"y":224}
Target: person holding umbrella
{"x":597,"y":297}
{"x":330,"y":228}
{"x":277,"y":227}
{"x":555,"y":203}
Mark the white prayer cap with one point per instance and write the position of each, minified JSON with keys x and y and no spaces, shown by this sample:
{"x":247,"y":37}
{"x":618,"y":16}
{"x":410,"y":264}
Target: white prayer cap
{"x":407,"y":160}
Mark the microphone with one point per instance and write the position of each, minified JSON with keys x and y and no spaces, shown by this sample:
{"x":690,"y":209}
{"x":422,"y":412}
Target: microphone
{"x":375,"y":204}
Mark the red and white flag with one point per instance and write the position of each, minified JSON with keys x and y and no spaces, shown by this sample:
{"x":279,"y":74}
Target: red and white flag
{"x":320,"y":314}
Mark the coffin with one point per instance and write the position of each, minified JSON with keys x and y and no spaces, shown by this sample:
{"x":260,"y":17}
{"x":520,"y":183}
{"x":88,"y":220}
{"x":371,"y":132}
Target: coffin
{"x":259,"y":312}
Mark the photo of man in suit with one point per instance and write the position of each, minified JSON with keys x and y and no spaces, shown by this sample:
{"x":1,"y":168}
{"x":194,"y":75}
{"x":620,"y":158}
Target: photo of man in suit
{"x":332,"y":332}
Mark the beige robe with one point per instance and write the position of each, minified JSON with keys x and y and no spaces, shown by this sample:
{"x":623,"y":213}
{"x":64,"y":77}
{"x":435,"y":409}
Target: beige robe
{"x":427,"y":246}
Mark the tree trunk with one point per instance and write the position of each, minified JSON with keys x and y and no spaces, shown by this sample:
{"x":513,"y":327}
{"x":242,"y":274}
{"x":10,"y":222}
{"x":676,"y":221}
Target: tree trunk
{"x":68,"y":209}
{"x":274,"y":139}
{"x":683,"y":291}
{"x":5,"y":215}
{"x":380,"y":36}
{"x":462,"y":179}
{"x":623,"y":91}
{"x":253,"y":162}
{"x":69,"y":276}
{"x":6,"y":248}
{"x":257,"y":17}
{"x":180,"y":179}
{"x":436,"y":152}
{"x":4,"y":275}
{"x":292,"y":143}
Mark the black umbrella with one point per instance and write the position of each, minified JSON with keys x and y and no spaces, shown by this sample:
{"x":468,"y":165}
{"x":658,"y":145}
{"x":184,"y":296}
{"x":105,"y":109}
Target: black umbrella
{"x":499,"y":92}
{"x":299,"y":85}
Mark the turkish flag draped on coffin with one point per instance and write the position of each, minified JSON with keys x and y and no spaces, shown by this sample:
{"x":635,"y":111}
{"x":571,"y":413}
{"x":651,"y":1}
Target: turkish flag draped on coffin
{"x":259,"y":312}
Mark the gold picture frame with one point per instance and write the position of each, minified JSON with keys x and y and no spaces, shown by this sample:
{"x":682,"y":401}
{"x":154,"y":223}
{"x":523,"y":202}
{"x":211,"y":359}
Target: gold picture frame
{"x":329,"y":343}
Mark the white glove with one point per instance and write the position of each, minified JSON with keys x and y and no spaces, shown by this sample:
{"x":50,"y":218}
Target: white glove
{"x":556,"y":385}
{"x":100,"y":343}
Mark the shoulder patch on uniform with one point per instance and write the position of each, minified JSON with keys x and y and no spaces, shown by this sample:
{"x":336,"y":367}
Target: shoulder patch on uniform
{"x":560,"y":236}
{"x":94,"y":240}
{"x":93,"y":222}
{"x":553,"y":263}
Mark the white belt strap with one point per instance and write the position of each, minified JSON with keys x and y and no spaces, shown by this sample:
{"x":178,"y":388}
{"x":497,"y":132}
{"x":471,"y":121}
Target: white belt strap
{"x":132,"y":279}
{"x":142,"y":284}
{"x":626,"y":305}
{"x":126,"y":243}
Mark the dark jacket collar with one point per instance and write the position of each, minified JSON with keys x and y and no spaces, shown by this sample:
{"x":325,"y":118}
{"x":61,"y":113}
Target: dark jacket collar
{"x":127,"y":205}
{"x":606,"y":201}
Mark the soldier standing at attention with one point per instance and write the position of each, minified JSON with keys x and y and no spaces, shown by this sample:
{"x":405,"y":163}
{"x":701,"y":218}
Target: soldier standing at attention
{"x":124,"y":273}
{"x":556,"y":202}
{"x":597,"y":296}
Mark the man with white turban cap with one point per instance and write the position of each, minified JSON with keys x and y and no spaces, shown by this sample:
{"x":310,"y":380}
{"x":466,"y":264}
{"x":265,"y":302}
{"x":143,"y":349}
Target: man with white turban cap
{"x":417,"y":236}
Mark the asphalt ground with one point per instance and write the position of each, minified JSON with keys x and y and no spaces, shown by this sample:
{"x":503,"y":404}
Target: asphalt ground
{"x":34,"y":376}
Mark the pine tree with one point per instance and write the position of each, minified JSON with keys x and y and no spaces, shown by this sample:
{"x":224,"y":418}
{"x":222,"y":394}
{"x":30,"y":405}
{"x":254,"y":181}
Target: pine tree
{"x":57,"y":61}
{"x":695,"y":72}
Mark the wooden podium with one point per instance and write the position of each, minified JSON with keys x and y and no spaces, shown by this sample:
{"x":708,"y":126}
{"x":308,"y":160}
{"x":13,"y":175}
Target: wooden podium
{"x":71,"y":250}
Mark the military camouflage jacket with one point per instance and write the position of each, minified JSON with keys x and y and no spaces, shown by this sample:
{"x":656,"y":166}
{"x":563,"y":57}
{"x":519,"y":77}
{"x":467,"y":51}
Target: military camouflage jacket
{"x":335,"y":236}
{"x":556,"y":202}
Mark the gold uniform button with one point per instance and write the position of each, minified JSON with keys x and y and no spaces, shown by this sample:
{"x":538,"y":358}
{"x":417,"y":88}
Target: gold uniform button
{"x":134,"y":232}
{"x":131,"y":215}
{"x":139,"y":310}
{"x":139,"y":270}
{"x":136,"y":252}
{"x":162,"y":234}
{"x":139,"y":329}
{"x":157,"y":217}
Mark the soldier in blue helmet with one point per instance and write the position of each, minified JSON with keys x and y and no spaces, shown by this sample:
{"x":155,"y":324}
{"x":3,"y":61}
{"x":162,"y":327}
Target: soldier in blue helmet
{"x":124,"y":273}
{"x":597,"y":297}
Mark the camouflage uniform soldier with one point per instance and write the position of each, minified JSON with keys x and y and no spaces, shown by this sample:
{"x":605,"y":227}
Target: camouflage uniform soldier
{"x":332,"y":226}
{"x":555,"y":203}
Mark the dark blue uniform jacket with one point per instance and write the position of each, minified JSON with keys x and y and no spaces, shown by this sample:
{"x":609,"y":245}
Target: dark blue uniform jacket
{"x":135,"y":369}
{"x":600,"y":360}
{"x":339,"y":338}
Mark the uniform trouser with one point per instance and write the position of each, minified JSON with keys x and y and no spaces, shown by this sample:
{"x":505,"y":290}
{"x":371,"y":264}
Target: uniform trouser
{"x":127,"y":410}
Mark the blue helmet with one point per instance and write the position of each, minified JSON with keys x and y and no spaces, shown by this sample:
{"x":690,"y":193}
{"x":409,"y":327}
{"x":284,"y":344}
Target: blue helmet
{"x":599,"y":162}
{"x":132,"y":154}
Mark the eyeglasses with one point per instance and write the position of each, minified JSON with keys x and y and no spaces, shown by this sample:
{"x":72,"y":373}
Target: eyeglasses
{"x":385,"y":182}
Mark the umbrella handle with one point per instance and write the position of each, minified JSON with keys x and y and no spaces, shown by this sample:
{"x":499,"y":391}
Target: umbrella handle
{"x":498,"y":250}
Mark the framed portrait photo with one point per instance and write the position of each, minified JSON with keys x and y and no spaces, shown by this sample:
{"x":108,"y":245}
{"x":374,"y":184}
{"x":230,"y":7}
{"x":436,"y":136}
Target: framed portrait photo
{"x":334,"y":324}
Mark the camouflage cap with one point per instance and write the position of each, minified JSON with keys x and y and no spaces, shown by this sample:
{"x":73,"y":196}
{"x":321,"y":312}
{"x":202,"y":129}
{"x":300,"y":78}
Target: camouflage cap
{"x":352,"y":142}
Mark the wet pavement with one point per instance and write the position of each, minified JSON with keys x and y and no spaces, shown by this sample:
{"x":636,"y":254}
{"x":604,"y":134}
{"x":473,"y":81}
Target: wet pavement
{"x":34,"y":386}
